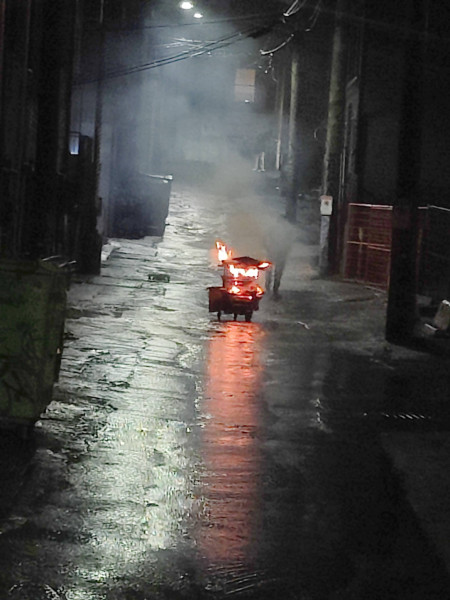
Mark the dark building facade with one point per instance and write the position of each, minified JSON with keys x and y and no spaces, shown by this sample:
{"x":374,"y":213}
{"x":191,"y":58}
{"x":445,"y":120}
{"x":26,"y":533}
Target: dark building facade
{"x":396,"y":135}
{"x":94,"y":93}
{"x":43,"y":190}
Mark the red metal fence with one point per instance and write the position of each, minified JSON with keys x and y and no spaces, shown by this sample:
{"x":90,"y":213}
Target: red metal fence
{"x":367,"y":253}
{"x":368,"y":244}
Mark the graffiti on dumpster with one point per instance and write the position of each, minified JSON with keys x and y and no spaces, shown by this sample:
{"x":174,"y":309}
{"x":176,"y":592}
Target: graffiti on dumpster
{"x":20,"y":371}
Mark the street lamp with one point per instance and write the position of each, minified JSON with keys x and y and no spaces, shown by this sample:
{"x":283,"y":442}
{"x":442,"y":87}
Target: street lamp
{"x":187,"y":5}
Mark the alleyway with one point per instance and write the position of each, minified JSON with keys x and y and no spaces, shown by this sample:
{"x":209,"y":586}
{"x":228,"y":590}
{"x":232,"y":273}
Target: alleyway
{"x":184,"y":457}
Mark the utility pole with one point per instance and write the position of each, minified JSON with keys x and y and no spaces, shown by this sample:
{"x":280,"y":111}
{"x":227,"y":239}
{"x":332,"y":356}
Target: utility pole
{"x":401,"y":310}
{"x":281,"y":93}
{"x":329,"y":259}
{"x":292,"y":170}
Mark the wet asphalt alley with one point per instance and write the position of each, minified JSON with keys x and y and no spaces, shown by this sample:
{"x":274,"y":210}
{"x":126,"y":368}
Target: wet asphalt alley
{"x":184,"y":457}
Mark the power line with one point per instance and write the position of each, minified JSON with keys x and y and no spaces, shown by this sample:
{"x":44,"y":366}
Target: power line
{"x":282,"y":45}
{"x":294,"y":8}
{"x":207,"y":48}
{"x":196,"y":50}
{"x":314,"y":16}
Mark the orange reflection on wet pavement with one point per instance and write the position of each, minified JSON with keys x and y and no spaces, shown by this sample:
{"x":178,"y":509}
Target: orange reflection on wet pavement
{"x":229,"y":448}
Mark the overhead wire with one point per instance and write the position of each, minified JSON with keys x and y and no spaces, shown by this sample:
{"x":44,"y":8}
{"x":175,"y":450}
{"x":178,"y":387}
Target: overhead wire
{"x":175,"y":57}
{"x":273,"y":50}
{"x":314,"y":16}
{"x":190,"y":53}
{"x":294,"y":8}
{"x":199,"y":48}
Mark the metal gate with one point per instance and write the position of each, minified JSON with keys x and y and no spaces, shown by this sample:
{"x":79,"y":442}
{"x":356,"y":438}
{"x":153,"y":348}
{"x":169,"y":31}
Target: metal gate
{"x":367,"y":252}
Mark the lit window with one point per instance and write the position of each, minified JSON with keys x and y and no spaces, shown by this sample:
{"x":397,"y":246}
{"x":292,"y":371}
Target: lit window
{"x":74,"y":142}
{"x":244,"y":85}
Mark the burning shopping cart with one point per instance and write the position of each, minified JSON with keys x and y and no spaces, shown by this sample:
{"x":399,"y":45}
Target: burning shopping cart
{"x":240,"y":292}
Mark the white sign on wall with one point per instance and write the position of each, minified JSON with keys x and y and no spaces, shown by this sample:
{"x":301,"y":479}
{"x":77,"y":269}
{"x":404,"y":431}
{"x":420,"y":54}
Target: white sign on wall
{"x":326,"y":205}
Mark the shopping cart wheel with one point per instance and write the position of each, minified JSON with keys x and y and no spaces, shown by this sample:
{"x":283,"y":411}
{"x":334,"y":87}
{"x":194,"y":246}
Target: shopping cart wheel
{"x":248,"y":317}
{"x":235,"y":316}
{"x":219,"y":314}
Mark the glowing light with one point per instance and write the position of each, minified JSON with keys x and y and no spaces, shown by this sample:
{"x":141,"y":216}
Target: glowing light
{"x":242,"y":272}
{"x":223,"y":253}
{"x":198,"y":15}
{"x":186,"y":5}
{"x":240,"y":275}
{"x":234,"y":466}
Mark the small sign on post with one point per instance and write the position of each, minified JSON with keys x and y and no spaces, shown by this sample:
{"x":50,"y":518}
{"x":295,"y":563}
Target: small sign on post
{"x":326,"y":205}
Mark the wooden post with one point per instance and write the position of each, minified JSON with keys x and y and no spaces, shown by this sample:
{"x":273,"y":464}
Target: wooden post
{"x":332,"y":160}
{"x":281,"y":93}
{"x":291,"y":167}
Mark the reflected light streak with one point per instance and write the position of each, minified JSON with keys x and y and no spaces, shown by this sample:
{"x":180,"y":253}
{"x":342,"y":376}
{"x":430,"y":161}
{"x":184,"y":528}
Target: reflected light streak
{"x":137,"y":488}
{"x":230,"y":451}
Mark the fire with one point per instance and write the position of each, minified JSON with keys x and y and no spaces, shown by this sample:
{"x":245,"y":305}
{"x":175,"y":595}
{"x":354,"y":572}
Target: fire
{"x":242,"y":272}
{"x":223,"y":252}
{"x":240,"y":275}
{"x":239,"y":293}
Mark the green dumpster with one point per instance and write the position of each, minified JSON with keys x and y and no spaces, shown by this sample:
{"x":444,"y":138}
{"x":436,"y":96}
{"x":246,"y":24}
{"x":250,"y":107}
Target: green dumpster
{"x":32,"y":311}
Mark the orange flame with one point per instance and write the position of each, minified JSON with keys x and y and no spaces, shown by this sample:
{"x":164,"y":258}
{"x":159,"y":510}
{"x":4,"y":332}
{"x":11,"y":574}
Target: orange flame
{"x":242,"y":272}
{"x":223,"y":252}
{"x":239,"y":279}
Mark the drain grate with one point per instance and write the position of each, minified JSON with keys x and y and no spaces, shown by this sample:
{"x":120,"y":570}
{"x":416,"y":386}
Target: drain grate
{"x":406,"y":416}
